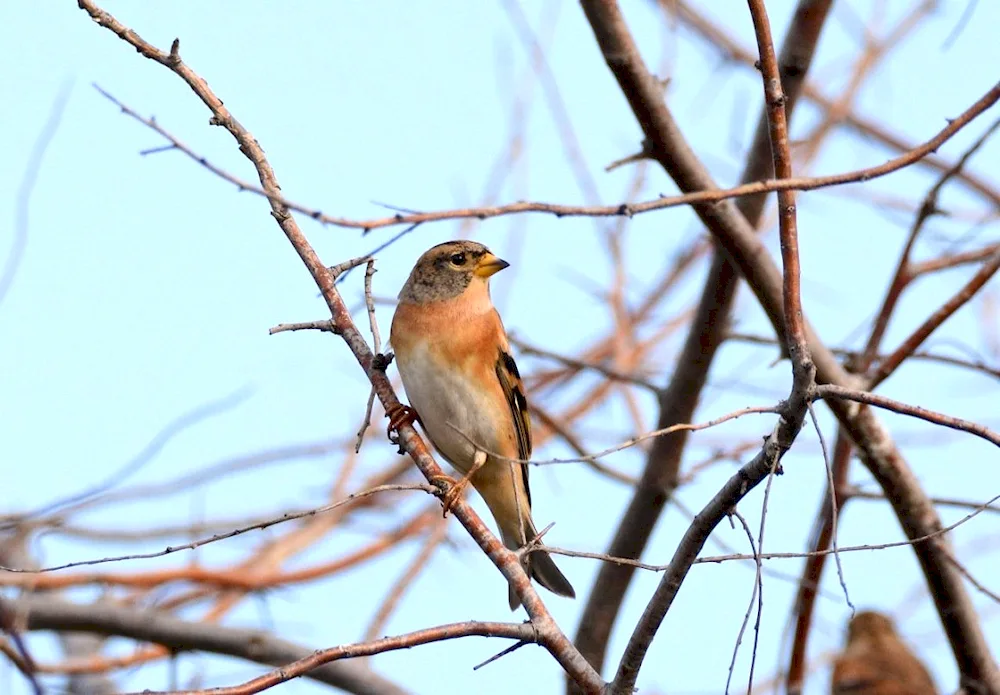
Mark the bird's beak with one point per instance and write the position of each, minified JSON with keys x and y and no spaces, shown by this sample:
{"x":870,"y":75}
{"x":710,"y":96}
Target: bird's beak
{"x":490,"y":265}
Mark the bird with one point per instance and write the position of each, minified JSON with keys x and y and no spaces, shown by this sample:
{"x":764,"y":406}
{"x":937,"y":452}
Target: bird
{"x":452,"y":353}
{"x":876,"y":661}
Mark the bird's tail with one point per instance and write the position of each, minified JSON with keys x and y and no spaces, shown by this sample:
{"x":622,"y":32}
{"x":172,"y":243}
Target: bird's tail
{"x":540,"y":567}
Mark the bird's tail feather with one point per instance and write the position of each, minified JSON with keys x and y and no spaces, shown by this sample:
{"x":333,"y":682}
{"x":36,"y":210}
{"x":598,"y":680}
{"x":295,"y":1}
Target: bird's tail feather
{"x":541,"y":568}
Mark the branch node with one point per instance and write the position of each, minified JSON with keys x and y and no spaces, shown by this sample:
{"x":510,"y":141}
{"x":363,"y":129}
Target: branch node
{"x":645,"y":152}
{"x":174,"y":59}
{"x":382,"y":360}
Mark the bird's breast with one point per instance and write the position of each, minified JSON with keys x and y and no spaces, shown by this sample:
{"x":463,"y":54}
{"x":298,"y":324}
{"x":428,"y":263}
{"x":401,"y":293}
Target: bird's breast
{"x":450,"y":404}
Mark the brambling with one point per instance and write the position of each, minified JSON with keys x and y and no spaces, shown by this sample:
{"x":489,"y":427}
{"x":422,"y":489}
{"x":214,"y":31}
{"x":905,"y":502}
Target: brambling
{"x":876,"y":661}
{"x":464,"y":388}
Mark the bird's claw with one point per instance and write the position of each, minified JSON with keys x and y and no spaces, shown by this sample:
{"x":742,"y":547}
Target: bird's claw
{"x":399,"y":415}
{"x":453,"y":495}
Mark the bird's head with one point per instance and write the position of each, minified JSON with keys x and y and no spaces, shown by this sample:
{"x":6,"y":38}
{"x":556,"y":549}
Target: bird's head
{"x":447,"y":270}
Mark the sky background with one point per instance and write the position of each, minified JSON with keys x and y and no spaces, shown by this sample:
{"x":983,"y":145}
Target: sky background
{"x":147,"y":286}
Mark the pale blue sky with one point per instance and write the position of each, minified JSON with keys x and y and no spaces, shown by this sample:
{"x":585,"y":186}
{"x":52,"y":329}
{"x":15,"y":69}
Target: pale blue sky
{"x":148,"y":285}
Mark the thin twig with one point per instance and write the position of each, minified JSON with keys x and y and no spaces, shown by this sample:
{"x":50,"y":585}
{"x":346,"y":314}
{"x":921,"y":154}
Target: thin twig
{"x":169,"y":550}
{"x":27,"y":187}
{"x":887,"y":366}
{"x":832,"y":488}
{"x":405,"y":581}
{"x":628,"y":443}
{"x":523,"y":632}
{"x":754,"y":595}
{"x":829,"y":391}
{"x":802,"y":183}
{"x":376,"y":348}
{"x":977,"y":365}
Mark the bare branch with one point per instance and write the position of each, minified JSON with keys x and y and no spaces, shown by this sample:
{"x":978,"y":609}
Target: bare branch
{"x":523,"y":632}
{"x":506,"y":561}
{"x":678,"y":400}
{"x":887,"y":366}
{"x":27,"y":187}
{"x":170,"y":550}
{"x":49,"y":613}
{"x":752,"y":188}
{"x":914,"y":510}
{"x":828,"y":391}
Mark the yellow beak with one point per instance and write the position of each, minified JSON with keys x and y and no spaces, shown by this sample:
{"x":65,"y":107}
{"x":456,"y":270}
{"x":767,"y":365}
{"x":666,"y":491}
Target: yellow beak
{"x":490,"y":265}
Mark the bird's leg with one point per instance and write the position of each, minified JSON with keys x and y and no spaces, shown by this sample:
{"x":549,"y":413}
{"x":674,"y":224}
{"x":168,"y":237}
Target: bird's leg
{"x":478,"y":461}
{"x":399,"y":415}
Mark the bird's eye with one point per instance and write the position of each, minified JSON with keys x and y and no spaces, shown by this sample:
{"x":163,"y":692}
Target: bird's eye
{"x":458,"y":258}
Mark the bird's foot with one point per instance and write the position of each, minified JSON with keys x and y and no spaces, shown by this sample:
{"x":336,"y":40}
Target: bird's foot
{"x":453,"y":494}
{"x":458,"y":488}
{"x":399,"y":415}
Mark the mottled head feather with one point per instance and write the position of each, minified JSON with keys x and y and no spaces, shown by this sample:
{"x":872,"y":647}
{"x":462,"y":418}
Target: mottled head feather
{"x":444,"y":272}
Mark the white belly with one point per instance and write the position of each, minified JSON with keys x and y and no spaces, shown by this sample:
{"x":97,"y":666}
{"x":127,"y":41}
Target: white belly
{"x":441,"y":396}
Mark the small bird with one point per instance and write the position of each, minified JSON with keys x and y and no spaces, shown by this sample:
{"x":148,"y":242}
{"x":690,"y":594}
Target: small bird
{"x":464,"y":388}
{"x":876,"y":661}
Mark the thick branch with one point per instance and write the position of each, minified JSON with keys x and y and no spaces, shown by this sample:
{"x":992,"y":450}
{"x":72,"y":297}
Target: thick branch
{"x":724,"y":501}
{"x":914,"y":510}
{"x":48,"y":613}
{"x":708,"y":331}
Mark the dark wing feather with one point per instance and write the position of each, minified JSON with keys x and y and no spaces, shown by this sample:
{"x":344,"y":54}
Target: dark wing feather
{"x":513,"y":391}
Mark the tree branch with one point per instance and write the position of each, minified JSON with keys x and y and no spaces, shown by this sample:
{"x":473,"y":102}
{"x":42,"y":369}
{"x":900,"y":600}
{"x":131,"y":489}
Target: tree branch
{"x":410,"y":441}
{"x":49,"y":613}
{"x":913,"y":508}
{"x":523,"y":632}
{"x":708,"y":329}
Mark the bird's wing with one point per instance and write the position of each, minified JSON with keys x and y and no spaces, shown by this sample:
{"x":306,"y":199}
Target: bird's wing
{"x":513,"y":391}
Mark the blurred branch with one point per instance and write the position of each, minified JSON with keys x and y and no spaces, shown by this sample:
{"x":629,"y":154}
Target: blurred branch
{"x":170,"y":550}
{"x":27,"y":187}
{"x":876,"y":50}
{"x":21,"y":663}
{"x":678,"y":401}
{"x":582,"y":365}
{"x":224,"y":578}
{"x":189,"y":419}
{"x":553,"y":97}
{"x":855,"y":355}
{"x":185,"y":483}
{"x":888,"y":365}
{"x":47,"y":613}
{"x":913,"y":508}
{"x":15,"y":649}
{"x":940,"y":501}
{"x":953,"y":260}
{"x":866,"y":128}
{"x":903,"y":275}
{"x":439,"y":532}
